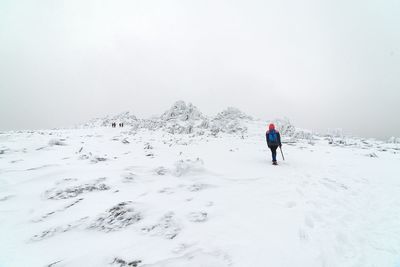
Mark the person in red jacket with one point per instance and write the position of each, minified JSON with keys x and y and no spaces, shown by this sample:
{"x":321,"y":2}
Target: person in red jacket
{"x":273,"y":141}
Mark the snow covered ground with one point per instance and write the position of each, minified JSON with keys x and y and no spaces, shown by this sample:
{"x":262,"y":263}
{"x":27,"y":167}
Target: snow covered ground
{"x":120,"y":197}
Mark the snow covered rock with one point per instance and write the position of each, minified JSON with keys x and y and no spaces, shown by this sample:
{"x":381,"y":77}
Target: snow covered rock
{"x":232,"y":113}
{"x":56,"y":142}
{"x":231,"y":121}
{"x":182,"y":118}
{"x":285,"y":127}
{"x":74,"y":191}
{"x":290,"y":133}
{"x":123,"y":263}
{"x":200,"y":216}
{"x":127,"y":118}
{"x":167,"y":227}
{"x":394,"y":140}
{"x":116,"y":218}
{"x":183,"y":112}
{"x":184,"y":167}
{"x":58,"y":229}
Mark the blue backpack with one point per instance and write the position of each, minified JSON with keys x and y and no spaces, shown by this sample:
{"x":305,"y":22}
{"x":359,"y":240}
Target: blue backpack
{"x":273,"y":137}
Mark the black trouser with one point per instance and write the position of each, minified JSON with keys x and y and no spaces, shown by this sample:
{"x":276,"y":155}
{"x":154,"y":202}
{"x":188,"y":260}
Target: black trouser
{"x":273,"y":150}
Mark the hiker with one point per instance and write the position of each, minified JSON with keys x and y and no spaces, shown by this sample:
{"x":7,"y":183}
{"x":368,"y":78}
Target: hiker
{"x":274,"y":141}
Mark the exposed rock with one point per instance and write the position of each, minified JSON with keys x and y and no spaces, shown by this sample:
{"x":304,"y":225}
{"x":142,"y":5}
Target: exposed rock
{"x":183,"y":112}
{"x":161,"y":170}
{"x":166,"y":227}
{"x":59,"y":229}
{"x":183,"y":167}
{"x":116,"y":218}
{"x":123,"y":263}
{"x":73,"y":191}
{"x":57,"y":142}
{"x":198,"y":216}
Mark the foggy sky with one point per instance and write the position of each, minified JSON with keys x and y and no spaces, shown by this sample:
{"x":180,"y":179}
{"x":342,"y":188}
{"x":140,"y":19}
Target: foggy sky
{"x":323,"y":64}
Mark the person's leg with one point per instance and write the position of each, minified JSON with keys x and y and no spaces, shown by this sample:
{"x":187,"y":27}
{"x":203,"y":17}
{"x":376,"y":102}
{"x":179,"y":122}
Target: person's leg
{"x":273,"y":149}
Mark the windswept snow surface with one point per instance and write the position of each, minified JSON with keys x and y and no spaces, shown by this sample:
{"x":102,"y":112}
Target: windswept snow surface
{"x":140,"y":197}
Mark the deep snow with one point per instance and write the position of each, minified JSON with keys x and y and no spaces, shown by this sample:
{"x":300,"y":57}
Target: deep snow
{"x":133,"y":196}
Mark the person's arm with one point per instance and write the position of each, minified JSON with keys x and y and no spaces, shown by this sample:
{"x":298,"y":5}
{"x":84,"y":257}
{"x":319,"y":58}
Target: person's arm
{"x":266,"y":138}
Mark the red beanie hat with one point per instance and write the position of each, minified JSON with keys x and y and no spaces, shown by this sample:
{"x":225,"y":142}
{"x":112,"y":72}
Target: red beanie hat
{"x":271,"y":127}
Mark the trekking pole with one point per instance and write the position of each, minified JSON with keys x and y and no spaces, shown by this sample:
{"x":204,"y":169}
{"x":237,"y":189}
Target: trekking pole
{"x":282,"y":153}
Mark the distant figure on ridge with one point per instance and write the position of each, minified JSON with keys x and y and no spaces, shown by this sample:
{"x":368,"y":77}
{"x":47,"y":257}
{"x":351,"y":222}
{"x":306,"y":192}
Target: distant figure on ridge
{"x":274,"y":141}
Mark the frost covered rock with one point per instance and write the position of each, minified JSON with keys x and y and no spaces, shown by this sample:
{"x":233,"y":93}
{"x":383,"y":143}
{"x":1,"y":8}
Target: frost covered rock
{"x":290,"y":133}
{"x":127,"y":118}
{"x":57,"y":142}
{"x":394,"y":140}
{"x":285,"y":127}
{"x":232,"y":113}
{"x":74,"y":191}
{"x":182,"y":118}
{"x":184,"y":167}
{"x":183,"y":112}
{"x":167,"y":227}
{"x":198,"y":216}
{"x":58,"y":229}
{"x":303,"y":134}
{"x":118,"y":217}
{"x":231,"y":120}
{"x":96,"y":159}
{"x":161,"y":170}
{"x":123,"y":263}
{"x":337,"y":132}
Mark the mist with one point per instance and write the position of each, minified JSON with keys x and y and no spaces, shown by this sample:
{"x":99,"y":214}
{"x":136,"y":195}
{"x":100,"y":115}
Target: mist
{"x":321,"y":64}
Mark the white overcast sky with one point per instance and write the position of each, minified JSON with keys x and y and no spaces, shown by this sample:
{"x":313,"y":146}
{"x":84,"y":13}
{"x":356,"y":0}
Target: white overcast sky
{"x":323,"y":64}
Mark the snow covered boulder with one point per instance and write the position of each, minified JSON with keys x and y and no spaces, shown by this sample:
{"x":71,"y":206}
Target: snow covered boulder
{"x":182,"y":118}
{"x":183,"y":112}
{"x":231,"y":121}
